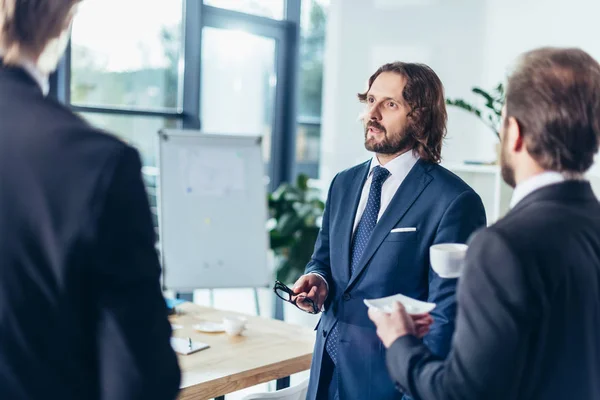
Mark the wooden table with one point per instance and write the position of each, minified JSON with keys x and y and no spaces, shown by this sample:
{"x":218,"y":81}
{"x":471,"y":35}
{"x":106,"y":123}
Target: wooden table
{"x":267,"y":350}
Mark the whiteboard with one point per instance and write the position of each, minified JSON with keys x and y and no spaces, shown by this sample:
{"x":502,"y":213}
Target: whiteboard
{"x":212,"y":211}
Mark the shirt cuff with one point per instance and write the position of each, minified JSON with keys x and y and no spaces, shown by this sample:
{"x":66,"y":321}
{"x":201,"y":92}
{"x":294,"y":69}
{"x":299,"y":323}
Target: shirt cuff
{"x":322,"y":277}
{"x":326,"y":284}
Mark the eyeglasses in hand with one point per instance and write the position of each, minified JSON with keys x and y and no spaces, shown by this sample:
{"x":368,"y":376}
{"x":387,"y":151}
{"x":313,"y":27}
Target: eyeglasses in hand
{"x":287,"y":294}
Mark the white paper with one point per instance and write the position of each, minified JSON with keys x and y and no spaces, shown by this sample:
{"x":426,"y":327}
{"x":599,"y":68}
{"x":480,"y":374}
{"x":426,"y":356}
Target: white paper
{"x":412,"y":306}
{"x":182,"y":345}
{"x":212,"y":172}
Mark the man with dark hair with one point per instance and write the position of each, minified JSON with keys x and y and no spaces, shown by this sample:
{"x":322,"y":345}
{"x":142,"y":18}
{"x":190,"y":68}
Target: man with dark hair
{"x":528,"y":325}
{"x":380,"y":219}
{"x":82,"y":315}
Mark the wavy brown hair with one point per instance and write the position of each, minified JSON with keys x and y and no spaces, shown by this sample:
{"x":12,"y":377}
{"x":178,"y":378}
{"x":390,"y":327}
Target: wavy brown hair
{"x":424,"y":94}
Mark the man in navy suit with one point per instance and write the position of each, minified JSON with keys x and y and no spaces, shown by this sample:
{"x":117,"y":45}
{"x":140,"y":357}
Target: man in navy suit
{"x":380,"y":219}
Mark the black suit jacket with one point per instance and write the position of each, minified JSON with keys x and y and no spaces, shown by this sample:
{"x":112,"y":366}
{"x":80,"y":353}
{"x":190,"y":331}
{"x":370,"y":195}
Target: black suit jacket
{"x":81,"y":310}
{"x":528,"y":324}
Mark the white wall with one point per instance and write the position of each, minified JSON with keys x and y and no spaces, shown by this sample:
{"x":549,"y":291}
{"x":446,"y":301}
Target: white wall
{"x":467,"y":42}
{"x":516,"y":26}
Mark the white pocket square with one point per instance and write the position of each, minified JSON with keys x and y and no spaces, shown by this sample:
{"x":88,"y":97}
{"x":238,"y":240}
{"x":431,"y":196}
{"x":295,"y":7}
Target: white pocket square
{"x":403,"y":230}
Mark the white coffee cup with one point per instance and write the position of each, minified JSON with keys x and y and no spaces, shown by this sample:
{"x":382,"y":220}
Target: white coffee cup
{"x":234,"y":325}
{"x":447,"y":259}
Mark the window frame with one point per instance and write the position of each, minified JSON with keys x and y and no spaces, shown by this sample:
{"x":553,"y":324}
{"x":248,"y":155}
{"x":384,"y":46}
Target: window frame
{"x":196,"y":16}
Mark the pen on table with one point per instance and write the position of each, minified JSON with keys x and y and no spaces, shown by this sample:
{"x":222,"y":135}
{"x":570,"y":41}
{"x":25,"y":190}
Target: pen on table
{"x":190,"y":339}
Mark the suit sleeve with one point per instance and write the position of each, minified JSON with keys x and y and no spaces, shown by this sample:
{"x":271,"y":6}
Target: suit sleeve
{"x":135,"y":357}
{"x":495,"y":318}
{"x":464,"y":216}
{"x":319,"y":262}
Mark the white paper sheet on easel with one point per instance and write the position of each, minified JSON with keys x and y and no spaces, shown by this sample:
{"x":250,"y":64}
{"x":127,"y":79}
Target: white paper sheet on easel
{"x":212,"y":172}
{"x":182,"y":346}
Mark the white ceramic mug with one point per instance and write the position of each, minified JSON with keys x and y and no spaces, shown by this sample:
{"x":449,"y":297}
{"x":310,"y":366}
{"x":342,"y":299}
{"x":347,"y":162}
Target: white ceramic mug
{"x":447,"y":259}
{"x":234,"y":325}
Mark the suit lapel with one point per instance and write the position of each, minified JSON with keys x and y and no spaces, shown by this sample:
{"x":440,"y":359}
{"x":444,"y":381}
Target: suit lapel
{"x":352,"y":198}
{"x":408,"y":192}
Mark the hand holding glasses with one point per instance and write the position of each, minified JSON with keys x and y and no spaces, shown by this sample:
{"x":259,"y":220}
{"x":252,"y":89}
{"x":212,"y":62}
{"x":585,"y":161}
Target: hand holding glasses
{"x":287,"y":294}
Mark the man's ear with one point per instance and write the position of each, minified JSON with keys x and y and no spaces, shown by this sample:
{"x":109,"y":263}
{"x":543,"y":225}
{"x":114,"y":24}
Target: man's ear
{"x":514,"y":136}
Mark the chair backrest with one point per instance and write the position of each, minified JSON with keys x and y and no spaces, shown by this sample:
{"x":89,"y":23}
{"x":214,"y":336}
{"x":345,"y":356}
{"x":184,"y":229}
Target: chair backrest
{"x":297,"y":392}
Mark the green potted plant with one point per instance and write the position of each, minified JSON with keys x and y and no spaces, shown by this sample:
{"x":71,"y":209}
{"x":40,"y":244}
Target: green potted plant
{"x":295,"y":212}
{"x":490,"y":115}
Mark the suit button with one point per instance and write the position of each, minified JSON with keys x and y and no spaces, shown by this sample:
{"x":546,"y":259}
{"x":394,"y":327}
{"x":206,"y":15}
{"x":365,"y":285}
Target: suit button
{"x":346,"y":296}
{"x":324,"y":333}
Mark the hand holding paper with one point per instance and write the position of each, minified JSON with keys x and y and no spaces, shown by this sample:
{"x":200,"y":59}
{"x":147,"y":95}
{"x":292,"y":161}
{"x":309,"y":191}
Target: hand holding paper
{"x":391,"y":326}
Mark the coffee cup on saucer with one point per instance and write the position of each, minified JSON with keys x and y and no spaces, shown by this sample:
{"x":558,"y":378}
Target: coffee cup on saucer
{"x":234,"y":326}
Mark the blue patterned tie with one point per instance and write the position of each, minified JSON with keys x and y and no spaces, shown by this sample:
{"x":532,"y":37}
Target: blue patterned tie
{"x":361,"y":237}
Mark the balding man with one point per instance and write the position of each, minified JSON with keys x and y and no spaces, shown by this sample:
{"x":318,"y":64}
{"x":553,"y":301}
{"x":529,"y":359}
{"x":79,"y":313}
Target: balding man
{"x":81,"y":310}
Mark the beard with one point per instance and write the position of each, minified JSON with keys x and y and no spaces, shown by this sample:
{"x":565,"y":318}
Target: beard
{"x":507,"y":170}
{"x":391,"y":144}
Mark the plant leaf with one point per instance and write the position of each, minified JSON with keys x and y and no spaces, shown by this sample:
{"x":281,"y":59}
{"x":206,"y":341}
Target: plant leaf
{"x":302,"y":182}
{"x":489,"y":99}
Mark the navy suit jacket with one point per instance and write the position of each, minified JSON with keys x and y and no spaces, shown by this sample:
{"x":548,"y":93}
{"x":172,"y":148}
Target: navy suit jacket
{"x":443,"y":209}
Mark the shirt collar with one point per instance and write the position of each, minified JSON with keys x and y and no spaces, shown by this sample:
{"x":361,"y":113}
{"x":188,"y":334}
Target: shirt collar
{"x":534,"y":183}
{"x":33,"y":71}
{"x":399,"y":166}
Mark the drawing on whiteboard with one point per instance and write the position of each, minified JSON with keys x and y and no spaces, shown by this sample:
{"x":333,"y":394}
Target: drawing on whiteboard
{"x":212,"y":172}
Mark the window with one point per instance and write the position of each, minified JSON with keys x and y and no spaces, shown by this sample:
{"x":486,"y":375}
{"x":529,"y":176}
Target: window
{"x":125,"y":74}
{"x":312,"y":46}
{"x":137,"y":66}
{"x":120,"y":61}
{"x":265,"y":8}
{"x":238,"y":84}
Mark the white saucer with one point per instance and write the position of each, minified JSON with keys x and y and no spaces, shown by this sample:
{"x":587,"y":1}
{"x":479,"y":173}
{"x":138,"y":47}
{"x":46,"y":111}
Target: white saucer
{"x":412,"y":306}
{"x":209,"y":327}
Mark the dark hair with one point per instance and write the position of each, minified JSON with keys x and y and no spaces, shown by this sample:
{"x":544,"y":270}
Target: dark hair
{"x":554,"y":94}
{"x":424,"y":94}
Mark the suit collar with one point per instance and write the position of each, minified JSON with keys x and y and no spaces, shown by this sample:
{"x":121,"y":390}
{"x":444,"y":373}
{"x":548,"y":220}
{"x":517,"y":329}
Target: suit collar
{"x":399,"y":166}
{"x":26,"y":73}
{"x":534,"y":183}
{"x":567,"y":191}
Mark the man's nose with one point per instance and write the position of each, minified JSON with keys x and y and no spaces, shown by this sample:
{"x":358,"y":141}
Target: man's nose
{"x":374,"y":114}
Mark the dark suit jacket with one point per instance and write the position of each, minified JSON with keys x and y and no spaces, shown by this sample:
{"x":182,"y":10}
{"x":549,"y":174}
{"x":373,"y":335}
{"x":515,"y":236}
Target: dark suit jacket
{"x":528,"y":323}
{"x":81,"y":310}
{"x":443,"y":209}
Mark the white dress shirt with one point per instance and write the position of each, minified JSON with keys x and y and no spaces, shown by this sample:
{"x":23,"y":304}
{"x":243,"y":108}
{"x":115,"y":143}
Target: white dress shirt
{"x":33,"y":71}
{"x":399,"y":168}
{"x":534,"y":183}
